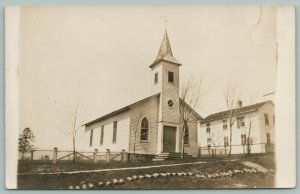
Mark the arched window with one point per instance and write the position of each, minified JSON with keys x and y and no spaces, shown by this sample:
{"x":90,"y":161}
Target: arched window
{"x":186,"y":135}
{"x":144,"y":129}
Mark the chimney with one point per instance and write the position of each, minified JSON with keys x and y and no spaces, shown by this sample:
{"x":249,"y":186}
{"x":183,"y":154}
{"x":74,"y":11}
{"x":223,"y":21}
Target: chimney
{"x":239,"y":104}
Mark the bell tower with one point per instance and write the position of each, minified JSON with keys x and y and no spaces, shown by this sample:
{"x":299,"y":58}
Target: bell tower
{"x":165,"y":80}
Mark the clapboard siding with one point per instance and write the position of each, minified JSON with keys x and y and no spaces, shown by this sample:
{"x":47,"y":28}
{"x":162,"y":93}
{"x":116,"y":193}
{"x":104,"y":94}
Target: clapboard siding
{"x":148,"y":109}
{"x":122,"y":141}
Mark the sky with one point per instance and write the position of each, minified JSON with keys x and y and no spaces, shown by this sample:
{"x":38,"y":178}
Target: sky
{"x":98,"y":57}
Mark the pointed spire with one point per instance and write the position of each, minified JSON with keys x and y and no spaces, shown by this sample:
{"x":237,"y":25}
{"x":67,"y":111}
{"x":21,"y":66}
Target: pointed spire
{"x":165,"y":52}
{"x":165,"y":47}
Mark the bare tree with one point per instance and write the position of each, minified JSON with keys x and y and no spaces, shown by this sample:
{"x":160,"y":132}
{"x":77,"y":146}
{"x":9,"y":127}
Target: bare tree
{"x":215,"y":139}
{"x":71,"y":125}
{"x":26,"y":140}
{"x":249,"y":139}
{"x":189,"y":102}
{"x":231,"y":97}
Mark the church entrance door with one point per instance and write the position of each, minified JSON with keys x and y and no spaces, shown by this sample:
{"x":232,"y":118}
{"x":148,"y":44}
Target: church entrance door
{"x":169,"y":139}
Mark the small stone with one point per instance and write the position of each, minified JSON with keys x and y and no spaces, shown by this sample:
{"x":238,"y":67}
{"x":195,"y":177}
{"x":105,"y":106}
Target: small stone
{"x":190,"y":174}
{"x":77,"y":187}
{"x":209,"y":176}
{"x":108,"y":183}
{"x":115,"y":181}
{"x":174,"y":173}
{"x":100,"y":184}
{"x":121,"y":181}
{"x":168,"y":174}
{"x":134,"y":177}
{"x":84,"y":186}
{"x":236,"y":171}
{"x":141,"y":177}
{"x":217,"y":175}
{"x":197,"y":175}
{"x":179,"y":174}
{"x":91,"y":186}
{"x":148,"y":176}
{"x":155,"y":175}
{"x":163,"y":174}
{"x":202,"y":176}
{"x":71,"y":187}
{"x":129,"y":178}
{"x":253,"y":170}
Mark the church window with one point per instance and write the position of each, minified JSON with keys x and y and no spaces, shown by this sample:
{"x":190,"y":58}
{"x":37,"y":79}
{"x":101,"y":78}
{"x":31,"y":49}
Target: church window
{"x":156,"y":78}
{"x":144,"y":129}
{"x":91,"y":137}
{"x":114,"y":140}
{"x":186,"y":135}
{"x":170,"y":76}
{"x":170,"y":103}
{"x":101,"y":135}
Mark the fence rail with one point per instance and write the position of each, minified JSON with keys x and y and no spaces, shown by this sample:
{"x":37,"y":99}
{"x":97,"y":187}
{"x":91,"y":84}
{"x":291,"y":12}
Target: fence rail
{"x":56,"y":155}
{"x":219,"y":151}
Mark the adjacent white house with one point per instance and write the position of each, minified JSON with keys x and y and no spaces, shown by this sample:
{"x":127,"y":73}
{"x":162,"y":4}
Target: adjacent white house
{"x":259,"y":119}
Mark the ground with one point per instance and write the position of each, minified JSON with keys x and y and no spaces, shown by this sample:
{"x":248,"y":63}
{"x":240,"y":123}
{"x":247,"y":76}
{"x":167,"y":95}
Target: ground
{"x":30,"y":178}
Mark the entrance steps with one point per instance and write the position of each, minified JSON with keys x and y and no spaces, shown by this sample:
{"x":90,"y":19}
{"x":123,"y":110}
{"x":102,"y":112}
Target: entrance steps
{"x":170,"y":156}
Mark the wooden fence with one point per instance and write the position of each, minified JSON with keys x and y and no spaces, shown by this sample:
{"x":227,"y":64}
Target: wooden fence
{"x":57,"y":155}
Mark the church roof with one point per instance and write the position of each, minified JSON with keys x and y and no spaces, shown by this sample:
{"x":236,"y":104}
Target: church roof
{"x":238,"y":111}
{"x":165,"y":52}
{"x":120,"y":110}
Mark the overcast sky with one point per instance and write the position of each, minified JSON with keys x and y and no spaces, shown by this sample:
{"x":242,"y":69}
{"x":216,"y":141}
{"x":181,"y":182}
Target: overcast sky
{"x":100,"y":57}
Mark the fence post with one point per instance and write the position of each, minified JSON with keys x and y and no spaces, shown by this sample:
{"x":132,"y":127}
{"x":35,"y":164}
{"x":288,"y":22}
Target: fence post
{"x":31,"y":154}
{"x":54,"y":155}
{"x":123,"y":156}
{"x":107,"y":155}
{"x":95,"y":156}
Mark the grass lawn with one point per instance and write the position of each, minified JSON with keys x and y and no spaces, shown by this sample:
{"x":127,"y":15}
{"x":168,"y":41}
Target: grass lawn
{"x":63,"y":181}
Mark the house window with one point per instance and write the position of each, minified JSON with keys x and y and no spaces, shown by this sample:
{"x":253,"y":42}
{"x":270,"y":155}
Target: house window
{"x":273,"y":119}
{"x":207,"y":127}
{"x":186,"y":135}
{"x":114,"y":140}
{"x":91,"y":137}
{"x":226,"y":141}
{"x":240,"y":122}
{"x":225,"y":124}
{"x":268,"y":138}
{"x":155,"y":78}
{"x":243,"y":138}
{"x":144,"y":129}
{"x":208,"y":142}
{"x":266,"y":119}
{"x":170,"y":76}
{"x":101,"y":135}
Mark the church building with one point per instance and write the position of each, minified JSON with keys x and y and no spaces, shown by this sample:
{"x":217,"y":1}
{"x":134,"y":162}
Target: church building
{"x":153,"y":125}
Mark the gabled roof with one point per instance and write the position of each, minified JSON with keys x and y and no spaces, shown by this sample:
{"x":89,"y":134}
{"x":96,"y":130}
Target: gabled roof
{"x":189,"y":107}
{"x":165,"y":52}
{"x":120,"y":110}
{"x":238,"y":111}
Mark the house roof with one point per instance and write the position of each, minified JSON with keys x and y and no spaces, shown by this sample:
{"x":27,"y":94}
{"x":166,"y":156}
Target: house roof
{"x":119,"y":110}
{"x":165,"y":52}
{"x":238,"y":111}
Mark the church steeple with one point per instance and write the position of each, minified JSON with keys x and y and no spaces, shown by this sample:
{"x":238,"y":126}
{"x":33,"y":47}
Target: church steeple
{"x":165,"y":52}
{"x":165,"y":47}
